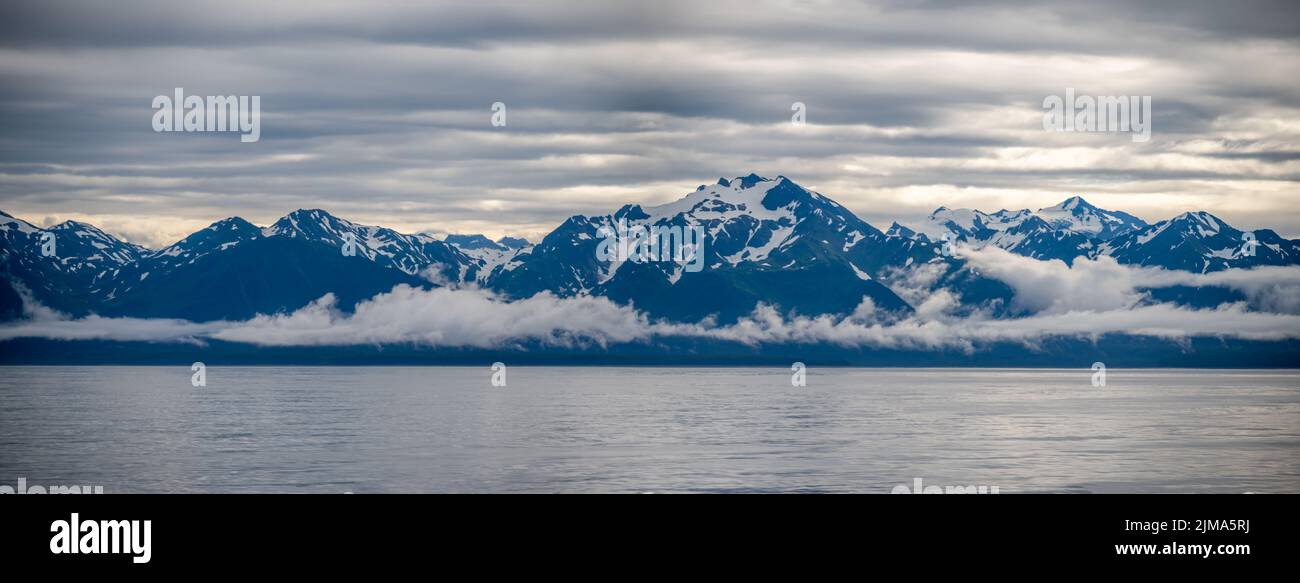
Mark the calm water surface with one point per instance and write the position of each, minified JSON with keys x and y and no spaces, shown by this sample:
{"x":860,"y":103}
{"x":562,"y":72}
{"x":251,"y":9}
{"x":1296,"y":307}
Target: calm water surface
{"x":373,"y":429}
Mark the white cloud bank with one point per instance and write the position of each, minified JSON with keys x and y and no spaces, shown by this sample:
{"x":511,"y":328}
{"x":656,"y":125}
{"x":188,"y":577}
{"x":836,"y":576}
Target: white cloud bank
{"x":1052,"y":287}
{"x":1088,"y":300}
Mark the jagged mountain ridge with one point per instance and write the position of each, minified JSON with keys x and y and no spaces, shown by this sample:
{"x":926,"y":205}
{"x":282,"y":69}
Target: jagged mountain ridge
{"x":766,"y":241}
{"x":1193,"y":241}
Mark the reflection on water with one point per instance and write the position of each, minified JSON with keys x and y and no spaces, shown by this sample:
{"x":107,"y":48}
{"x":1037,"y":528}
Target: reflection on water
{"x":372,"y":429}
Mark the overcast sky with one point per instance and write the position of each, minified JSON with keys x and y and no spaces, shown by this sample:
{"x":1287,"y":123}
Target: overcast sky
{"x":380,"y":112}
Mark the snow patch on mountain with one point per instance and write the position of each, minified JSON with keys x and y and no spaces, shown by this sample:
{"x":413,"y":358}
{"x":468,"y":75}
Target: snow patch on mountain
{"x":490,"y":255}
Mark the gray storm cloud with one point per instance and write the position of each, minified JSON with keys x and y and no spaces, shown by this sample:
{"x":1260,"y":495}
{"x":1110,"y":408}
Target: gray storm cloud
{"x":385,"y":105}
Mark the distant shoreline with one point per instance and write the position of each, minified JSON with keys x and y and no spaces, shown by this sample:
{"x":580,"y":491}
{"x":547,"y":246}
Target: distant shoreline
{"x":1114,"y":352}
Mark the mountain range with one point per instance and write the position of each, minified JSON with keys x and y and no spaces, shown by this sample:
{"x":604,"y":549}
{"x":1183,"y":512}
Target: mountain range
{"x":767,"y":241}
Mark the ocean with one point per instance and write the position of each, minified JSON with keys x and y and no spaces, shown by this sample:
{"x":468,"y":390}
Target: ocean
{"x":648,"y":429}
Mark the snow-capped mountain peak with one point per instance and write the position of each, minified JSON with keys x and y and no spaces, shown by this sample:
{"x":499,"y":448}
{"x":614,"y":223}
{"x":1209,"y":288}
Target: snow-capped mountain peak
{"x":514,"y":242}
{"x":725,"y":200}
{"x":959,"y":221}
{"x":85,"y":241}
{"x":14,"y":224}
{"x":1201,"y":242}
{"x":1206,"y":224}
{"x":1069,"y":229}
{"x":86,"y":230}
{"x":312,"y":224}
{"x":319,"y":225}
{"x":218,"y":236}
{"x":1076,"y":215}
{"x":413,"y":254}
{"x":897,"y":230}
{"x":803,"y":250}
{"x":1069,"y":204}
{"x":474,"y":242}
